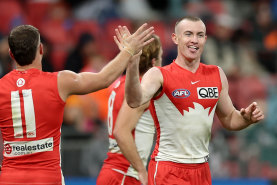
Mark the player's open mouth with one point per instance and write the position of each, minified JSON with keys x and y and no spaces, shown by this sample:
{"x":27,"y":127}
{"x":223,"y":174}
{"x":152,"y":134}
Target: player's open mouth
{"x":193,"y":48}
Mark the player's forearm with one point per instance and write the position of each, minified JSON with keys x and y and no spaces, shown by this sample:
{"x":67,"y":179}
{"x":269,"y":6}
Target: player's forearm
{"x":235,"y":121}
{"x":87,"y":82}
{"x":128,"y":148}
{"x":133,"y":92}
{"x":115,"y":68}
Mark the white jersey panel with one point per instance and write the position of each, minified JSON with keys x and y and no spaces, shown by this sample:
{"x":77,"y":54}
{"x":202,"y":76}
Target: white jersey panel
{"x":144,"y":136}
{"x":183,"y":138}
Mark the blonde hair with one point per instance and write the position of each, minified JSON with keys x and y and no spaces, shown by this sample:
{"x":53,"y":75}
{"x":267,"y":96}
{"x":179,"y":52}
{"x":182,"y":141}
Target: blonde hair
{"x":149,"y":52}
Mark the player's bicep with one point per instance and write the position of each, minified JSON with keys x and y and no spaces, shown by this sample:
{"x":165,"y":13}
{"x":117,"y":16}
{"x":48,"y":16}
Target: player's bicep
{"x":127,"y":118}
{"x":78,"y":83}
{"x":151,"y":83}
{"x":225,"y":106}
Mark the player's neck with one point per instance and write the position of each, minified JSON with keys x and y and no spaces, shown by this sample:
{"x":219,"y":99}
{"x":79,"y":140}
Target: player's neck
{"x":189,"y":65}
{"x":35,"y":64}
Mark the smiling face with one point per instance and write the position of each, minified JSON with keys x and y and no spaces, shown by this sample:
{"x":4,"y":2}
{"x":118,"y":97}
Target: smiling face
{"x":190,"y":37}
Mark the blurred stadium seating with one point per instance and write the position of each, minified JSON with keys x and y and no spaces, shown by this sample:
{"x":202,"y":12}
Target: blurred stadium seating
{"x":242,"y":42}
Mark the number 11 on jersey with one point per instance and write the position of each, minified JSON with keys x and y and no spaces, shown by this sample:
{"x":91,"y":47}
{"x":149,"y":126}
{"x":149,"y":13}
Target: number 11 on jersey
{"x":29,"y":113}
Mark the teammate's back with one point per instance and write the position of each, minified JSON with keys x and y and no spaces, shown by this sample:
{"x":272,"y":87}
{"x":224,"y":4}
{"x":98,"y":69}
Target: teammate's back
{"x":32,"y":105}
{"x":31,"y":131}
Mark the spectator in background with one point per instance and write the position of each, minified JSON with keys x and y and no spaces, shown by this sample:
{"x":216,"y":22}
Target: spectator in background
{"x":231,"y":49}
{"x":83,"y":112}
{"x":137,"y":10}
{"x":47,"y":66}
{"x":99,"y":10}
{"x":86,"y":48}
{"x":263,"y":27}
{"x":100,"y":98}
{"x":219,"y":49}
{"x":6,"y":64}
{"x":56,"y":29}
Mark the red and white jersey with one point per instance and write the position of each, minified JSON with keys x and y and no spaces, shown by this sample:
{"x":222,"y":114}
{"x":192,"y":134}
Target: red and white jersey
{"x":31,"y":115}
{"x":183,"y":113}
{"x":143,"y":133}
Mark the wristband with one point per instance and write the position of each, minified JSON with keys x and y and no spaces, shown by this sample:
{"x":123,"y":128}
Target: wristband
{"x":129,"y":51}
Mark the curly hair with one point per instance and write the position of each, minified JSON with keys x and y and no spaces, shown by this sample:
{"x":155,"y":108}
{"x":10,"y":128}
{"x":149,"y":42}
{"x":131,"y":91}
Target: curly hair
{"x":149,"y":52}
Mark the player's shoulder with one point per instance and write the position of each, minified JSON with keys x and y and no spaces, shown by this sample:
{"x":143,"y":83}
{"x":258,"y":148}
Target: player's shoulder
{"x":66,"y":75}
{"x":209,"y":66}
{"x":7,"y":78}
{"x":49,"y":74}
{"x":154,"y":71}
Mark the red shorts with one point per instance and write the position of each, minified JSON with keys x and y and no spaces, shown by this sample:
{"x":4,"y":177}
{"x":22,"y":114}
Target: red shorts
{"x":169,"y":173}
{"x":30,"y":177}
{"x":108,"y":176}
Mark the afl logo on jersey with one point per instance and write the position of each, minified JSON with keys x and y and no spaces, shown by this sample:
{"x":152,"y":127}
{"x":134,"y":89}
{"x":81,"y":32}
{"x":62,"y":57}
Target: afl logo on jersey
{"x":181,"y":93}
{"x":20,"y":82}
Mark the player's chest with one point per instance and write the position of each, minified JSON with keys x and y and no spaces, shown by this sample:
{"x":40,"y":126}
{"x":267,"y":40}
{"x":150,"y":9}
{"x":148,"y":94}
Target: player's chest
{"x":187,"y":89}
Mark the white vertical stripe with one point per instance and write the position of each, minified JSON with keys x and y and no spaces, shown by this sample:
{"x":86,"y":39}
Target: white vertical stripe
{"x":63,"y":182}
{"x":156,"y":170}
{"x":123,"y":180}
{"x":29,"y":113}
{"x":16,"y":114}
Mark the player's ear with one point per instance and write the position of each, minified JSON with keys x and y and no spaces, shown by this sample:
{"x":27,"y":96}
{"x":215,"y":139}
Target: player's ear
{"x":153,"y":62}
{"x":11,"y":54}
{"x":41,"y":48}
{"x":174,"y":38}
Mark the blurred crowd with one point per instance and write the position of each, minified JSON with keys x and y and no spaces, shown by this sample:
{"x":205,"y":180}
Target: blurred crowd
{"x":78,"y":35}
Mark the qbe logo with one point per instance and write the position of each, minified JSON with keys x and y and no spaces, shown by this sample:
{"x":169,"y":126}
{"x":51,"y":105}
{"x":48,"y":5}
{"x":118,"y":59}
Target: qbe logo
{"x":207,"y":92}
{"x":181,"y":93}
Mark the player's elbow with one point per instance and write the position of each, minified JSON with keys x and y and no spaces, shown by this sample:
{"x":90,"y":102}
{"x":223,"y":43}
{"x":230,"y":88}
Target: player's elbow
{"x":132,"y":101}
{"x":117,"y":133}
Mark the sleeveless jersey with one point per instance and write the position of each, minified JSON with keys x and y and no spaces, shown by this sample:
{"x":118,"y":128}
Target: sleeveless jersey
{"x":183,"y":113}
{"x":143,"y":134}
{"x":31,"y":114}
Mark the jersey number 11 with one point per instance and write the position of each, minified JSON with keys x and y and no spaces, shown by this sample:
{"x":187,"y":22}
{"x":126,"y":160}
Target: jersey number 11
{"x":29,"y":114}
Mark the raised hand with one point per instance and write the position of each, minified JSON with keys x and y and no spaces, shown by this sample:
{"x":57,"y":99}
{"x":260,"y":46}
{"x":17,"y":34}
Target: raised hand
{"x":121,"y":34}
{"x":252,"y":113}
{"x":133,"y":43}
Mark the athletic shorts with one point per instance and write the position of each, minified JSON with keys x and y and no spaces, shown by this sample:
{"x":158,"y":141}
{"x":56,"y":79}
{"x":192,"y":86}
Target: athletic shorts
{"x":169,"y":173}
{"x":108,"y":176}
{"x":30,"y":177}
